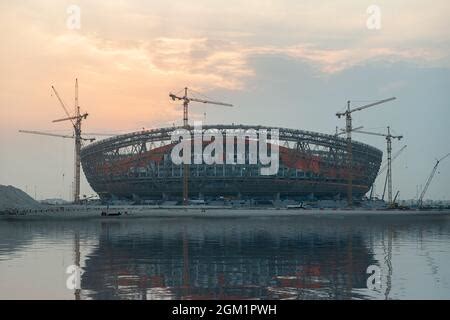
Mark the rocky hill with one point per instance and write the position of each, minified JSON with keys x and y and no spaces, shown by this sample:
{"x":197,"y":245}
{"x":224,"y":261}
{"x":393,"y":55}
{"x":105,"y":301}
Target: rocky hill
{"x":13,"y":198}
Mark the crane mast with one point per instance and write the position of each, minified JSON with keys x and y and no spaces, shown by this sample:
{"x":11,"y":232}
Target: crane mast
{"x":389,"y":169}
{"x":76,"y":191}
{"x":76,"y":121}
{"x":186,"y":100}
{"x":348,"y":130}
{"x":389,"y":138}
{"x":395,"y":156}
{"x":385,"y":166}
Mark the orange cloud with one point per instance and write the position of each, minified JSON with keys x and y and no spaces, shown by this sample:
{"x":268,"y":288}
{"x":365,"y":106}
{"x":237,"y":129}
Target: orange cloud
{"x":125,"y":76}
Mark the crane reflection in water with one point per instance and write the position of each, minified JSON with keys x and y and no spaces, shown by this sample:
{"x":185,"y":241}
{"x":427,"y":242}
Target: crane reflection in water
{"x":307,"y":257}
{"x":223,"y":259}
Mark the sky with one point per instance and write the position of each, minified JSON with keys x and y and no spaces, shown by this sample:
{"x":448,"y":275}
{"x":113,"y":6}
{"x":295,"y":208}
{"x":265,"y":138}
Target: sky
{"x":283,"y":63}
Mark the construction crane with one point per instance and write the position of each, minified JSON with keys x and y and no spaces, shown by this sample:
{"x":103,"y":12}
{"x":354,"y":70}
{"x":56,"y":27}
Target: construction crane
{"x":395,"y":156}
{"x":384,"y":169}
{"x":389,"y":138}
{"x":76,"y":121}
{"x":348,"y":130}
{"x":385,"y":166}
{"x":186,"y":100}
{"x":343,"y":131}
{"x":430,"y":178}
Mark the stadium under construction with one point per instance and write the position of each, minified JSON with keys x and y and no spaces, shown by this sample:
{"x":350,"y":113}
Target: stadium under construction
{"x":138,"y":166}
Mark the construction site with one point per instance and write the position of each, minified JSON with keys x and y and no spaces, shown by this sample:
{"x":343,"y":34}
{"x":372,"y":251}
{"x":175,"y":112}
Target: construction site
{"x":137,"y":167}
{"x":245,"y":154}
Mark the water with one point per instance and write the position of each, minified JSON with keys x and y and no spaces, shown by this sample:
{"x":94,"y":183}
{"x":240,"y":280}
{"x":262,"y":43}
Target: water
{"x":241,"y":258}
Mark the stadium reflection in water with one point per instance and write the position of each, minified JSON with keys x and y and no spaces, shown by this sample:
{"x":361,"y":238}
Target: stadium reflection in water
{"x":256,"y":258}
{"x":223,"y":259}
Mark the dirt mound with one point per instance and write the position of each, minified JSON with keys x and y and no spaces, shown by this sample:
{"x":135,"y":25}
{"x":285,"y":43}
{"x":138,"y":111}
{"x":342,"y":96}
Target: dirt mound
{"x":13,"y":198}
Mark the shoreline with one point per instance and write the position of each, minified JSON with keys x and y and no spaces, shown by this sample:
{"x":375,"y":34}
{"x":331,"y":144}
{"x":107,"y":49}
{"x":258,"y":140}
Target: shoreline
{"x":130,"y":212}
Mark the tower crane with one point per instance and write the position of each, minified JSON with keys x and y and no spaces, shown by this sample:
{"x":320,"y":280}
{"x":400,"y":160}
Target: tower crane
{"x":343,"y":131}
{"x":383,"y":169}
{"x":76,"y":121}
{"x":186,"y":100}
{"x":394,"y":156}
{"x":430,"y":178}
{"x":348,"y":130}
{"x":389,"y":138}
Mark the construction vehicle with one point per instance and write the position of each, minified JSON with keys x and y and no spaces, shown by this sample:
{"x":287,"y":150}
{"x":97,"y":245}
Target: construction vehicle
{"x":430,"y":178}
